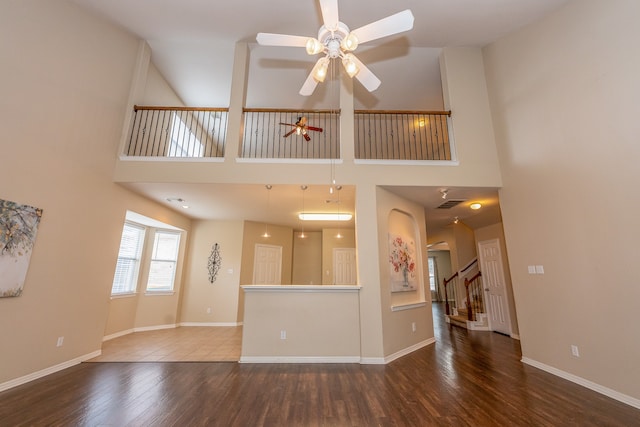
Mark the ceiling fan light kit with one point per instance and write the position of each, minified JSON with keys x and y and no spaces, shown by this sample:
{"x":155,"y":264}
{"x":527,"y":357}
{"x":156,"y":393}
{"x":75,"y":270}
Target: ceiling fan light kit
{"x":335,"y":40}
{"x":301,"y":128}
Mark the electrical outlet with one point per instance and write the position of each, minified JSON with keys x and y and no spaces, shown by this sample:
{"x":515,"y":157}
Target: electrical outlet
{"x":539,"y":269}
{"x":574,"y":351}
{"x":60,"y":341}
{"x":208,"y":310}
{"x":283,"y":335}
{"x":413,"y":326}
{"x":531,"y":269}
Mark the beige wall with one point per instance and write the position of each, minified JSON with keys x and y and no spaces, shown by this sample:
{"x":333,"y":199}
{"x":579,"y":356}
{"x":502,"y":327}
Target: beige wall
{"x":564,"y":96}
{"x":331,"y":242}
{"x":399,"y":216}
{"x":214,"y":303}
{"x":465,"y":244}
{"x":307,"y":259}
{"x":319,"y":325}
{"x":142,"y":310}
{"x":279,"y":236}
{"x":157,"y":91}
{"x":64,"y":100}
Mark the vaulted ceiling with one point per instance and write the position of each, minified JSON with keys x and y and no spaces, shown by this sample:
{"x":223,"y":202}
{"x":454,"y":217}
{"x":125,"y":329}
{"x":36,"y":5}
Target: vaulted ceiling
{"x":193,"y":42}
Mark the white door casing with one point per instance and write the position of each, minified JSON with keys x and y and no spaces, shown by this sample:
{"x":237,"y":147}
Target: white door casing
{"x":344,"y":266}
{"x":494,"y":285}
{"x":267,"y":265}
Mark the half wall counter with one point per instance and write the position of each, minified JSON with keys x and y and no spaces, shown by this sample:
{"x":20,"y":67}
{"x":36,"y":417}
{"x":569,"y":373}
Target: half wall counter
{"x":301,"y":324}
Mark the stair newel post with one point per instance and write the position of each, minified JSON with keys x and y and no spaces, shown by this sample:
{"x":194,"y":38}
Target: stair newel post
{"x":446,"y":298}
{"x":469,"y":304}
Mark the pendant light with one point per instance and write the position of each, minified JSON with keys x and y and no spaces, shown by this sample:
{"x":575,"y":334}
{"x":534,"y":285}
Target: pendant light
{"x":266,"y":226}
{"x":338,"y":188}
{"x":303,"y":188}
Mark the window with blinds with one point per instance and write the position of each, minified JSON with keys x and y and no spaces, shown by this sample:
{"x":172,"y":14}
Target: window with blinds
{"x":126,"y":276}
{"x":164,"y":258}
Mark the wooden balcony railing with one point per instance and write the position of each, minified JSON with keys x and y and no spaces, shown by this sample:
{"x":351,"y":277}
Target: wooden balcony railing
{"x":185,"y":132}
{"x":402,"y":135}
{"x":178,"y":132}
{"x":264,"y":135}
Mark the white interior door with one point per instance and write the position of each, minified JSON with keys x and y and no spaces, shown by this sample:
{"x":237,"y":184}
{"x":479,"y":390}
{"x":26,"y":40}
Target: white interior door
{"x":267,"y":265}
{"x":494,"y":286}
{"x":344,"y":266}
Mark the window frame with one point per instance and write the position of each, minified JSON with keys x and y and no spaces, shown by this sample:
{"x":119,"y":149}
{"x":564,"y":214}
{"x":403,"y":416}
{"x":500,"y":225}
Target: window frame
{"x":433,"y":273}
{"x":153,"y":258}
{"x":134,"y":275}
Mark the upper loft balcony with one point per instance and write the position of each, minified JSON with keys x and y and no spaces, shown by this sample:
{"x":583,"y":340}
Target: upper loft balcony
{"x":390,"y":137}
{"x":289,"y":136}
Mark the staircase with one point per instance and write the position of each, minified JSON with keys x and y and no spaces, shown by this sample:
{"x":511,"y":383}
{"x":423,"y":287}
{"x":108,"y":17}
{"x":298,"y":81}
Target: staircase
{"x":474,"y":316}
{"x":460,"y":319}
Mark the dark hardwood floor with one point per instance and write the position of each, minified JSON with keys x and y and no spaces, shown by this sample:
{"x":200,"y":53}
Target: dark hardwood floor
{"x":465,"y":379}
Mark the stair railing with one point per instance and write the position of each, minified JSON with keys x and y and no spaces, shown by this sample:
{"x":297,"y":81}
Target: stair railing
{"x":474,"y":294}
{"x":453,"y":292}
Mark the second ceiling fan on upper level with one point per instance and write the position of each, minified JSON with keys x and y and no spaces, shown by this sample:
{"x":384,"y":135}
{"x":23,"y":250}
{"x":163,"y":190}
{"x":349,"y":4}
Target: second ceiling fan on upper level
{"x":335,"y":40}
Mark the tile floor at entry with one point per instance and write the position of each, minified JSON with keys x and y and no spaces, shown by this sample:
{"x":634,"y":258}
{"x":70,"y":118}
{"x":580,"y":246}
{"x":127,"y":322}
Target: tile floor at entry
{"x":183,"y":344}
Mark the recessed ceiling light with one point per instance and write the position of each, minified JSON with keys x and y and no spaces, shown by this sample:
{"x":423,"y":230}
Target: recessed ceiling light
{"x":475,"y":206}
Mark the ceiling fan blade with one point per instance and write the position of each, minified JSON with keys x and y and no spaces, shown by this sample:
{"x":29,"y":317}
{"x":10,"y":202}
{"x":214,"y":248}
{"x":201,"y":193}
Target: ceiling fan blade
{"x":329,"y":14}
{"x":314,"y":128}
{"x":365,"y":76}
{"x":270,"y":39}
{"x":306,"y":137}
{"x":310,"y":84}
{"x":287,"y":124}
{"x":289,"y":133}
{"x":394,"y":24}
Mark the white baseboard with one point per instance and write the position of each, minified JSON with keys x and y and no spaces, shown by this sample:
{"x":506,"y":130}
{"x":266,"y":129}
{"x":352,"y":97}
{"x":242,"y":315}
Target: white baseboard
{"x":631,"y":401}
{"x":299,"y":359}
{"x":210,"y":324}
{"x":396,"y":355}
{"x":117,"y":335}
{"x":372,"y":361}
{"x":408,"y":350}
{"x":48,"y":371}
{"x":515,"y":337}
{"x":155,"y":328}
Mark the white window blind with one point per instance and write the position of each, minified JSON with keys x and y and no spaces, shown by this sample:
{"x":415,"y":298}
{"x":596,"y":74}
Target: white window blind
{"x":162,"y":269}
{"x":126,"y":275}
{"x":432,"y":273}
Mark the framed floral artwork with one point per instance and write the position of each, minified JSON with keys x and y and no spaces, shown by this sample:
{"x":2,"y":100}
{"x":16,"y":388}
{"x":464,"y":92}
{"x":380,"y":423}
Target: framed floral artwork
{"x":18,"y":228}
{"x":402,"y":264}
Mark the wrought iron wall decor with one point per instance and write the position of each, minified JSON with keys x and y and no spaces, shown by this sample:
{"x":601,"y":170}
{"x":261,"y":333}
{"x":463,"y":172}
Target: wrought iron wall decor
{"x":215,"y":260}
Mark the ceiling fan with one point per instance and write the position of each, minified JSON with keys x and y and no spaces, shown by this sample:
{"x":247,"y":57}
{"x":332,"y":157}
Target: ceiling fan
{"x":335,"y":40}
{"x":301,"y":128}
